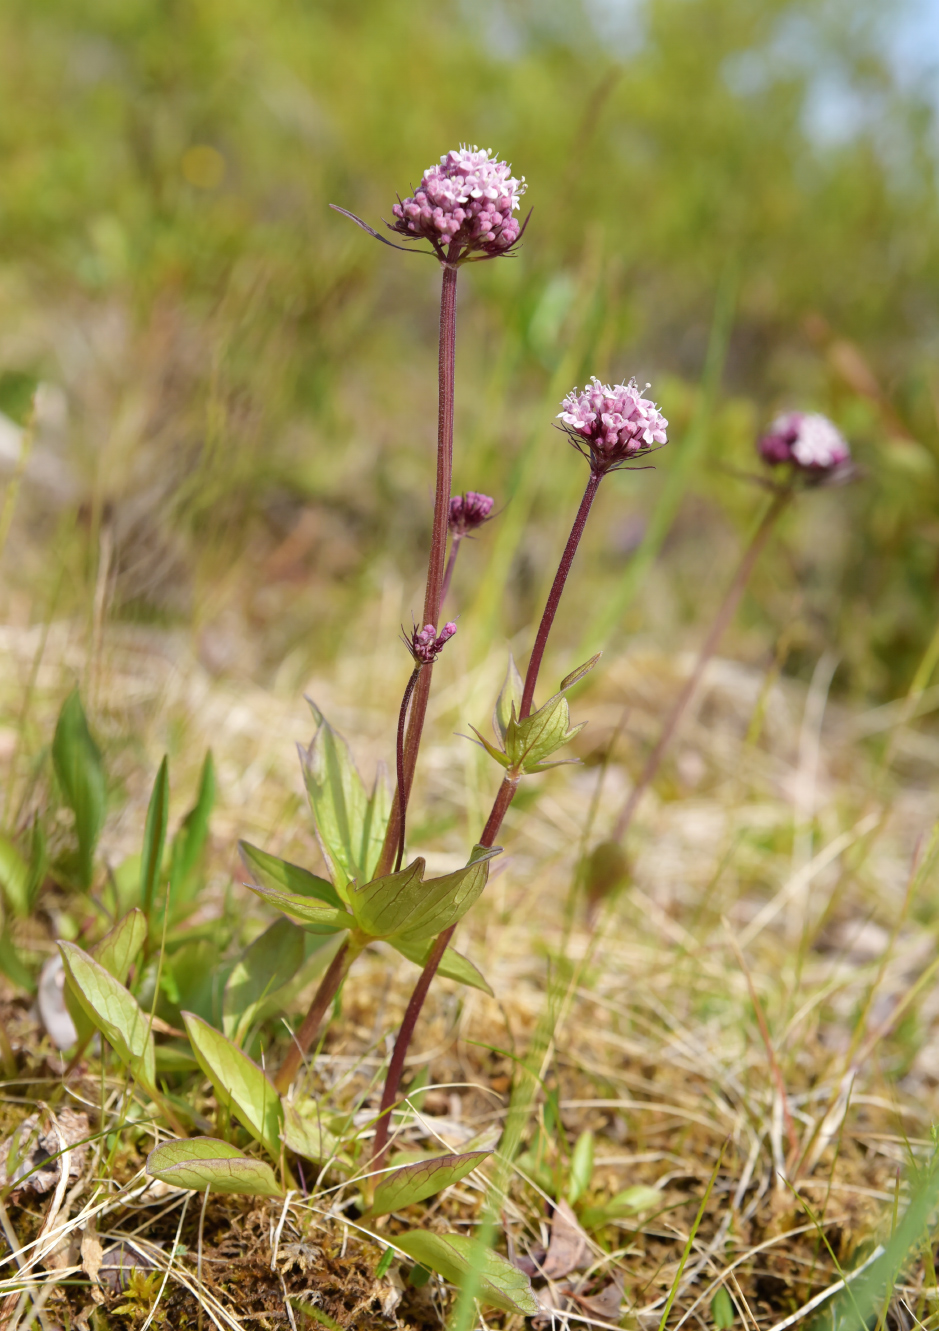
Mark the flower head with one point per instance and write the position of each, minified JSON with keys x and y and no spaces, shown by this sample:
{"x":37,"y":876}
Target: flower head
{"x":469,"y":511}
{"x":425,"y":644}
{"x":807,"y":440}
{"x":611,"y":425}
{"x":465,"y":203}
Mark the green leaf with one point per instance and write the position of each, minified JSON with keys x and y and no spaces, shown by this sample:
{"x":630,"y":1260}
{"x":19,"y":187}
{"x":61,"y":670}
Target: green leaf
{"x":206,"y":1163}
{"x":190,"y":840}
{"x":239,"y":1082}
{"x":154,"y":837}
{"x":306,"y":1135}
{"x":312,"y":914}
{"x":38,"y":862}
{"x":581,"y":1167}
{"x":281,"y":875}
{"x":10,"y":962}
{"x":528,"y":743}
{"x":350,"y":824}
{"x":14,"y":878}
{"x":414,"y":1182}
{"x":570,"y":680}
{"x":119,"y":947}
{"x":509,"y":701}
{"x":112,"y":1010}
{"x":629,"y":1202}
{"x":454,"y":1255}
{"x":453,"y":965}
{"x":406,"y":905}
{"x":80,"y":773}
{"x":268,"y":964}
{"x":491,"y":749}
{"x":722,"y":1310}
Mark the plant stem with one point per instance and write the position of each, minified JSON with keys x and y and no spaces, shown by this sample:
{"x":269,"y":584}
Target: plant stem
{"x":721,"y":620}
{"x":328,"y":988}
{"x":554,"y":596}
{"x":399,"y":761}
{"x":438,"y":549}
{"x":451,"y":564}
{"x":493,"y":826}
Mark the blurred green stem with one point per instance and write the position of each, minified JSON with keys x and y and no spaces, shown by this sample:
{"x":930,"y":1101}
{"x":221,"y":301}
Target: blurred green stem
{"x":721,"y":621}
{"x":435,"y":568}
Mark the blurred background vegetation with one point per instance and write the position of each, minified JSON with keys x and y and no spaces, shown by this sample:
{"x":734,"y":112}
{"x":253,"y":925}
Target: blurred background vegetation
{"x":733,"y":199}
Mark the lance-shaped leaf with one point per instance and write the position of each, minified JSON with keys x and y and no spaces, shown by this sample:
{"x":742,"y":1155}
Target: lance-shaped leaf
{"x":154,"y":837}
{"x":509,"y":701}
{"x":350,"y":823}
{"x":14,"y":878}
{"x":206,"y":1163}
{"x":266,"y":966}
{"x":239,"y":1082}
{"x":413,"y":1183}
{"x":116,"y":952}
{"x":282,"y":876}
{"x":190,"y":840}
{"x":78,"y":767}
{"x":307,"y":1135}
{"x":408,"y":906}
{"x":453,"y":965}
{"x":570,"y":680}
{"x":315,"y":917}
{"x":454,"y":1256}
{"x":629,"y":1202}
{"x":112,"y":1010}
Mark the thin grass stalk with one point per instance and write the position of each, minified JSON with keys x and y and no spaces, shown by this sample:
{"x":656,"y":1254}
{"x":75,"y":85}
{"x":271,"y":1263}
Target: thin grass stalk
{"x":721,"y":622}
{"x":433,"y":593}
{"x":500,"y":807}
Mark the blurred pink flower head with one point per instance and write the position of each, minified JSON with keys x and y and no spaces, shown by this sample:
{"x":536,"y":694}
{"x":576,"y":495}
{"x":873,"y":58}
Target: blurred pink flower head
{"x":807,"y":440}
{"x":425,"y":644}
{"x":463,"y":206}
{"x":611,"y":425}
{"x":469,"y":511}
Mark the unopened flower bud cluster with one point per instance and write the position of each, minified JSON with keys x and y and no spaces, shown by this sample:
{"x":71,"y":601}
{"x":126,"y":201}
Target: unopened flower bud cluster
{"x":469,"y":511}
{"x":425,"y":644}
{"x":467,"y":201}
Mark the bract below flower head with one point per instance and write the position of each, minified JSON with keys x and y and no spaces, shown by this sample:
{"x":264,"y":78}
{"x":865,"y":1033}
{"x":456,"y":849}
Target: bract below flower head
{"x":463,"y":206}
{"x":469,"y":511}
{"x":425,"y":644}
{"x":612,"y":424}
{"x":808,"y":441}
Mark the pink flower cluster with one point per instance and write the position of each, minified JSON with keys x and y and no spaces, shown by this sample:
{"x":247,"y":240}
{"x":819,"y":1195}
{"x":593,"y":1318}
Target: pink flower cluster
{"x":469,"y":511}
{"x":425,"y":645}
{"x":466,"y":203}
{"x":615,"y":423}
{"x":808,"y":440}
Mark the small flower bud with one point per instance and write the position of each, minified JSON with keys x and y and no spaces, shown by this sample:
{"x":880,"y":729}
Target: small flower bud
{"x":469,"y":511}
{"x":425,"y":645}
{"x":809,"y":442}
{"x":465,"y":203}
{"x":610,"y":425}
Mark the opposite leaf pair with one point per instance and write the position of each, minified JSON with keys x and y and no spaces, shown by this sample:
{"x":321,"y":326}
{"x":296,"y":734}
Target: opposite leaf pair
{"x":525,"y":743}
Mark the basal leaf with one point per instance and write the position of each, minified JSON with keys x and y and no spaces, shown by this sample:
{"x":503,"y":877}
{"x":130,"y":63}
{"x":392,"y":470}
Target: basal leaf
{"x":307,"y":1136}
{"x":205,"y":1162}
{"x":316,"y":917}
{"x":14,"y":878}
{"x":281,"y":876}
{"x":453,"y":965}
{"x":80,"y":773}
{"x":454,"y":1255}
{"x":119,"y":947}
{"x":112,"y":1010}
{"x":509,"y":701}
{"x":190,"y":840}
{"x":581,"y":1167}
{"x":629,"y":1202}
{"x":268,"y":964}
{"x":414,"y":1182}
{"x":238,"y":1081}
{"x":154,"y":837}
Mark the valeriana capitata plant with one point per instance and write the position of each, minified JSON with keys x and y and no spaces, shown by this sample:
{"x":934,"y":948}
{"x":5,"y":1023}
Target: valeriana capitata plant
{"x":804,"y":450}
